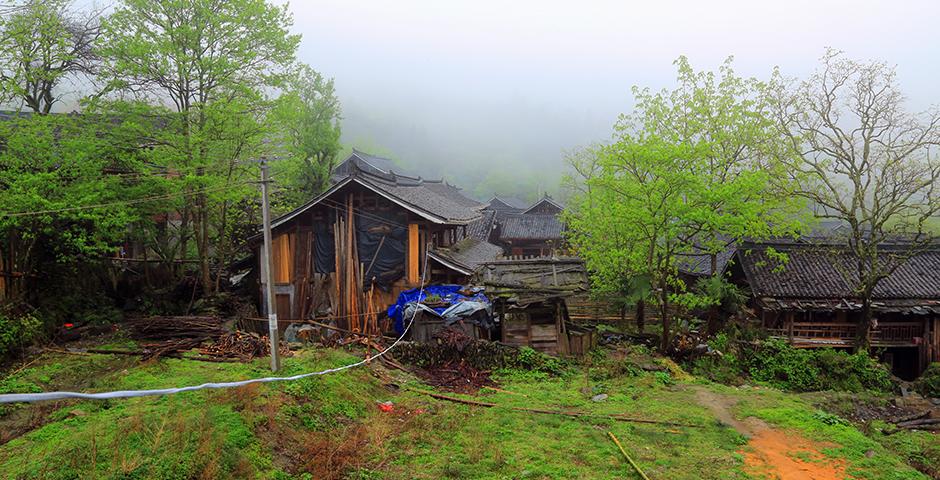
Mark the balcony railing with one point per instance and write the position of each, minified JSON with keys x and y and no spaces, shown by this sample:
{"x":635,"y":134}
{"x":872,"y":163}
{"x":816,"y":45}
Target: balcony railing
{"x":884,"y":333}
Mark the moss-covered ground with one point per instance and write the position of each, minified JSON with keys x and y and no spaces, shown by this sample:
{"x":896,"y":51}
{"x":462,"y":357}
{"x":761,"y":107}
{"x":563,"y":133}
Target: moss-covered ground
{"x":332,"y":426}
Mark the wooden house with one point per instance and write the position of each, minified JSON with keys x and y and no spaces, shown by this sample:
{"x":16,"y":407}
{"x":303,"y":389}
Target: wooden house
{"x":533,"y":231}
{"x":530,"y":298}
{"x":345,"y":255}
{"x":545,"y":206}
{"x":809,"y":300}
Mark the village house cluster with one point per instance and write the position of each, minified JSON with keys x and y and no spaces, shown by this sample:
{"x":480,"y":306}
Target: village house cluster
{"x":345,"y":256}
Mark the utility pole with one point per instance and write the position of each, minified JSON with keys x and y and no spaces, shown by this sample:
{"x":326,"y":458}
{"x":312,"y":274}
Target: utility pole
{"x":268,"y":275}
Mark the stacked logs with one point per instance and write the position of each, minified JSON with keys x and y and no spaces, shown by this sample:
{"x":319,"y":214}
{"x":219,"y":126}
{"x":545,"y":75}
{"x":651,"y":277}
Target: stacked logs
{"x":173,"y":328}
{"x":241,"y":345}
{"x":354,"y":305}
{"x":170,"y":336}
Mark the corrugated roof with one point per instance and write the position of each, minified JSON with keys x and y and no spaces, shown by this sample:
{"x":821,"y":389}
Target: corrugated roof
{"x":825,"y":272}
{"x":530,"y":227}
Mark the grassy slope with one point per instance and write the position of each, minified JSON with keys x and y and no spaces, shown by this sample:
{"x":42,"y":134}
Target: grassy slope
{"x":330,"y":427}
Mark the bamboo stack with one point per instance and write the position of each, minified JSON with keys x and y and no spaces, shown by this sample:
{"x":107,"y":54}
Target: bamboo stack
{"x":355,"y":306}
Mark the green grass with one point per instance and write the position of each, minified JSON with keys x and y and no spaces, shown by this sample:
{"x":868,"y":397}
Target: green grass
{"x":866,"y":457}
{"x":460,"y":441}
{"x":330,"y":426}
{"x":207,"y":434}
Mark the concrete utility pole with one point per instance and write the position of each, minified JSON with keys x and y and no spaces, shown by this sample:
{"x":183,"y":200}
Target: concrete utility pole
{"x":268,"y":268}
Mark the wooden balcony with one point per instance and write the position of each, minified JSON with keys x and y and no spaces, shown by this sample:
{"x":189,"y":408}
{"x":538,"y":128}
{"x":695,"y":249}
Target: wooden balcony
{"x":822,"y":334}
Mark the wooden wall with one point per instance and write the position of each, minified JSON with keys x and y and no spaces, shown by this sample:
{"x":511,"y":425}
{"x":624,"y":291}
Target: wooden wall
{"x":303,"y":293}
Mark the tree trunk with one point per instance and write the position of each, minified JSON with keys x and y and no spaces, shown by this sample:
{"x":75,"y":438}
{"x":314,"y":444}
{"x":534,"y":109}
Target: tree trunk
{"x":641,"y":315}
{"x":202,"y":245}
{"x":664,"y":315}
{"x":863,"y":330}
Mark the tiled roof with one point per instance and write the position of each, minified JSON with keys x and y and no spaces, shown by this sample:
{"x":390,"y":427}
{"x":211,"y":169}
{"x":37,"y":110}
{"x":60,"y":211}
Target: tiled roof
{"x":701,"y":264}
{"x":452,"y":192}
{"x":409,"y":193}
{"x":415,"y":193}
{"x":530,"y":227}
{"x":506,"y":203}
{"x":545,"y":203}
{"x":482,"y":228}
{"x":367,"y":163}
{"x":826,"y":272}
{"x":467,"y":254}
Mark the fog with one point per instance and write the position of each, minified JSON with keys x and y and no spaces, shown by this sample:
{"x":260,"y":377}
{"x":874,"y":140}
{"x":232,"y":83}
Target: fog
{"x":462,"y":88}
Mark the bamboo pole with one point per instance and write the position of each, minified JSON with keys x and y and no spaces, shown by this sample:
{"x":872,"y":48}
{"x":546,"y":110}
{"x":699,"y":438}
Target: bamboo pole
{"x":618,"y":417}
{"x":624,"y":452}
{"x":337,"y":308}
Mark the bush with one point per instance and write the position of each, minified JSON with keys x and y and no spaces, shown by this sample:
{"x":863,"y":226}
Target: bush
{"x":18,"y":331}
{"x":722,"y":364}
{"x":928,"y":384}
{"x":776,"y":363}
{"x":530,"y":359}
{"x":804,"y":370}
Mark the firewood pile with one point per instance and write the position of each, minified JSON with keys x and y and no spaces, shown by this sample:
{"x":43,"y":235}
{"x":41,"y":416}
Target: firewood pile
{"x":921,"y":421}
{"x":169,"y":347}
{"x":242,"y":345}
{"x":170,"y":336}
{"x":173,"y":328}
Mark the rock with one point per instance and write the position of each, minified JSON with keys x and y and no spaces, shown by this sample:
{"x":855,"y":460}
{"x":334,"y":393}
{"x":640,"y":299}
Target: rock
{"x":935,"y":401}
{"x":652,"y":367}
{"x":599,"y":397}
{"x":870,"y":453}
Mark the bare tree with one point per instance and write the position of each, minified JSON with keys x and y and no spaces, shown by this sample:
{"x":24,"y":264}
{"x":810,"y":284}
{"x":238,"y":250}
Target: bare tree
{"x":865,"y":162}
{"x":44,"y":43}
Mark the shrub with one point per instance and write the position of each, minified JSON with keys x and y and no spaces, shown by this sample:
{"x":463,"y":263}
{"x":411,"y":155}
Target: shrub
{"x":18,"y":331}
{"x":530,"y":359}
{"x":929,"y":383}
{"x":722,"y":364}
{"x":776,"y":363}
{"x":804,"y":370}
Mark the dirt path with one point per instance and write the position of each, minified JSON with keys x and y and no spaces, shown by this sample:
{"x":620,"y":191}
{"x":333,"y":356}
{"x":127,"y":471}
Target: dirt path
{"x":771,"y":453}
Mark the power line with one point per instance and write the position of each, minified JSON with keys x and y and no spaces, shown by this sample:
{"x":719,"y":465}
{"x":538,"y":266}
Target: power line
{"x":358,"y":211}
{"x":122,"y":202}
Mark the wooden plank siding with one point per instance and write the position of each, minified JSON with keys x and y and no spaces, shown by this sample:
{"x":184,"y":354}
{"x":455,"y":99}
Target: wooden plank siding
{"x":303,"y":293}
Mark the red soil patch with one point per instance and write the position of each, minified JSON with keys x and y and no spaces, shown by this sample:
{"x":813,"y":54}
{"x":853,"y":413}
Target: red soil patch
{"x":775,"y":454}
{"x":771,"y":453}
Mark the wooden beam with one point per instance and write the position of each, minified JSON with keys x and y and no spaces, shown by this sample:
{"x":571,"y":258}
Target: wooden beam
{"x":413,"y":254}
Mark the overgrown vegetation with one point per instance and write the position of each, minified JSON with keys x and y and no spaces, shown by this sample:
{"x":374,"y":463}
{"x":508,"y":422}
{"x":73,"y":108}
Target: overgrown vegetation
{"x":17,"y":331}
{"x":929,"y":383}
{"x":778,"y":364}
{"x":331,"y":427}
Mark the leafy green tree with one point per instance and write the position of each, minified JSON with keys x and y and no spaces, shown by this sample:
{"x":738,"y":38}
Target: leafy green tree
{"x":44,"y":44}
{"x":307,"y":114}
{"x":57,"y":205}
{"x":213,"y":62}
{"x":861,"y":159}
{"x":690,"y":171}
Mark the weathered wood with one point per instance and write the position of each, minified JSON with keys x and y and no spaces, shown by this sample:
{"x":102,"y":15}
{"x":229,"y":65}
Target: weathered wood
{"x":624,"y":452}
{"x":617,"y":417}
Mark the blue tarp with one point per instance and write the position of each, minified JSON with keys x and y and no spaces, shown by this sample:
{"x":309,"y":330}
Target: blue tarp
{"x":449,"y":295}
